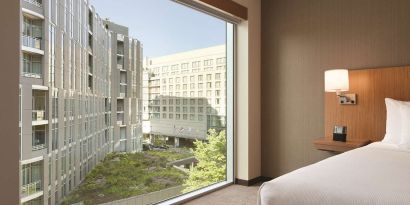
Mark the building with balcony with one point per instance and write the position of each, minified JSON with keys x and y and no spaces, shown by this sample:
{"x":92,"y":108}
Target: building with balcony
{"x":126,"y":88}
{"x":185,"y":94}
{"x":77,"y":104}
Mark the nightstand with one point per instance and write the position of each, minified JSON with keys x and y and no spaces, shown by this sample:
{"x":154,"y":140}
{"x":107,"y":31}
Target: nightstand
{"x":335,"y":146}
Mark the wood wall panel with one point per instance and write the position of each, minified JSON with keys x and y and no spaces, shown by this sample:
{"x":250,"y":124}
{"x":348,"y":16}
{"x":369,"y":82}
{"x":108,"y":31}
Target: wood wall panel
{"x":229,"y":6}
{"x":367,"y":119}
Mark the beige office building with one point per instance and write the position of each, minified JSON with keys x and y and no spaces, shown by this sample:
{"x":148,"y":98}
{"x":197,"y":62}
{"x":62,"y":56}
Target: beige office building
{"x":185,"y":93}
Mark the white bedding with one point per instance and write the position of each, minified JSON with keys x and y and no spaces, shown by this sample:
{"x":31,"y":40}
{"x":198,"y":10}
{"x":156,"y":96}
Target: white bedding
{"x":375,"y":174}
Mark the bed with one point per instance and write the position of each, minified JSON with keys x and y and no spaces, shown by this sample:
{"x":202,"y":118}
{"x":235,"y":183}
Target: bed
{"x":378,"y":173}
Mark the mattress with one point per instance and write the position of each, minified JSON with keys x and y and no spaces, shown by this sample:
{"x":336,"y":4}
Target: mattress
{"x":375,"y":174}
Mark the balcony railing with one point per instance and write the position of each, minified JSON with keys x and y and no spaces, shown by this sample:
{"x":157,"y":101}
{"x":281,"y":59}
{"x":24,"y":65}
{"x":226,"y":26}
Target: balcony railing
{"x":120,"y":109}
{"x":120,"y":119}
{"x":31,"y":42}
{"x":38,"y":115}
{"x":35,"y":3}
{"x":120,"y":122}
{"x":32,"y":188}
{"x":39,"y":147}
{"x":39,"y":140}
{"x":32,"y":69}
{"x":90,"y":69}
{"x":120,"y":51}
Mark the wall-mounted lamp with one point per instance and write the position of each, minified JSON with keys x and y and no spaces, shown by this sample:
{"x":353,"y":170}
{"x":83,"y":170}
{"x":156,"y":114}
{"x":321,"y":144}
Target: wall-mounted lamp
{"x":337,"y":80}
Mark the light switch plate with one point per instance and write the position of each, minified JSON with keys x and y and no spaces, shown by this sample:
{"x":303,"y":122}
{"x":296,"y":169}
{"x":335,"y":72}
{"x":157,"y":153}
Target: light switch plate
{"x":348,"y":99}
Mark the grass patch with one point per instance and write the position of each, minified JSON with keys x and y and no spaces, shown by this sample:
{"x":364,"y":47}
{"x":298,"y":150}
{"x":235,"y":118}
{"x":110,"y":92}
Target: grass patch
{"x":125,"y":175}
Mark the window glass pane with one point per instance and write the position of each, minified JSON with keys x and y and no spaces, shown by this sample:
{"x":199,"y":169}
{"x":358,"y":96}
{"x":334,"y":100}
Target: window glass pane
{"x":122,"y":107}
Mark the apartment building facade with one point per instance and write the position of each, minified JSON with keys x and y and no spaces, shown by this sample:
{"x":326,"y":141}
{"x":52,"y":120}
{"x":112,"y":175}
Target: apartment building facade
{"x":80,"y":96}
{"x":185,"y":94}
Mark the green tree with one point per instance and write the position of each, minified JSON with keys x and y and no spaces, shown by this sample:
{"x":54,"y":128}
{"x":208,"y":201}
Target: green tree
{"x":211,"y":156}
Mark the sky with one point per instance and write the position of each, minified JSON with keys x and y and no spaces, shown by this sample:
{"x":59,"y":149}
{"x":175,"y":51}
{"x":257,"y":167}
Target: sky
{"x":164,"y":27}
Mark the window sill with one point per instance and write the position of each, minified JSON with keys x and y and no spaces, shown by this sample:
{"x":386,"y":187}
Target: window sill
{"x":196,"y":194}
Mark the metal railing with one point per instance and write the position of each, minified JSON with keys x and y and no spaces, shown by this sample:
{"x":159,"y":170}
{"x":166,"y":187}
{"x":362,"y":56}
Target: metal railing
{"x":39,"y":147}
{"x":120,"y":122}
{"x":32,"y":69}
{"x":120,"y":119}
{"x":39,"y":140}
{"x":32,"y":188}
{"x":120,"y":51}
{"x":35,"y":3}
{"x":123,"y":90}
{"x":31,"y":41}
{"x":38,"y":115}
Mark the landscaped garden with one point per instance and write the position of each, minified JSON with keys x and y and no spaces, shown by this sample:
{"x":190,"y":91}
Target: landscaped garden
{"x":123,"y":175}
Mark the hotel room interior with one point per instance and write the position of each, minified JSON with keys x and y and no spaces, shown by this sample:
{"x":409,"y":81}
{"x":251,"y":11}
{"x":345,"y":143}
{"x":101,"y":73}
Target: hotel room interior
{"x":321,"y":102}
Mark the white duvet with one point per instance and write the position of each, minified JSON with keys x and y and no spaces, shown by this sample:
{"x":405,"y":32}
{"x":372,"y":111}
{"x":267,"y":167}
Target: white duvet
{"x":375,"y":174}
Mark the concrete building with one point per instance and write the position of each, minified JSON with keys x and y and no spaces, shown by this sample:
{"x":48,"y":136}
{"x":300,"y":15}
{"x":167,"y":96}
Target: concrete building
{"x":185,"y":93}
{"x":80,"y":96}
{"x":126,"y":88}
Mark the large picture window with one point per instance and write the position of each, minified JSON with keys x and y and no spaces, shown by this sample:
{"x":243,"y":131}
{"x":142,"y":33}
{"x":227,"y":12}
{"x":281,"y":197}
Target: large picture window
{"x":131,"y":102}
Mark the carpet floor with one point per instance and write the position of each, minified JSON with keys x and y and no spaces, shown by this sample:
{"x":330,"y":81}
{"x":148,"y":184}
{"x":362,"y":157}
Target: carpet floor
{"x":231,"y":195}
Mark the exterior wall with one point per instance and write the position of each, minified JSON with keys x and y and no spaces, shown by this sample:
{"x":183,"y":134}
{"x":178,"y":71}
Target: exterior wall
{"x":176,"y":104}
{"x":10,"y":15}
{"x":126,"y":73}
{"x":80,"y":89}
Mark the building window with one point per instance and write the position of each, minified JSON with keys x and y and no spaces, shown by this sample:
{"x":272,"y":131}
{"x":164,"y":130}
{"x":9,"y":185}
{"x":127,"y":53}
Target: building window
{"x":98,"y":62}
{"x":208,"y":62}
{"x":184,"y":66}
{"x":196,"y":64}
{"x":220,"y":61}
{"x":174,"y":67}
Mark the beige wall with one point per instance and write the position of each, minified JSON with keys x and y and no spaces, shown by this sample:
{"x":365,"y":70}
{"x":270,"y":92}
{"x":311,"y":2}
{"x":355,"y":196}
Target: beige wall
{"x":302,"y":38}
{"x":248,"y":93}
{"x":9,"y":89}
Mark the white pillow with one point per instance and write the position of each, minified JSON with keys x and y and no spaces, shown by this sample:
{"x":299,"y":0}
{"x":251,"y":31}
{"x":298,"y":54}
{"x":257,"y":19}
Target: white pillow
{"x":405,"y":127}
{"x":393,"y":122}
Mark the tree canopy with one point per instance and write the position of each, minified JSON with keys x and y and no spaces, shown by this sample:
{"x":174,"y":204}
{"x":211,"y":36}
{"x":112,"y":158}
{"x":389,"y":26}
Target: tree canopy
{"x":211,"y":156}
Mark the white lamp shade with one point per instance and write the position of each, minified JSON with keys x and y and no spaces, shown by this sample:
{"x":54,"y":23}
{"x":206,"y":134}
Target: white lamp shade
{"x":336,"y":80}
